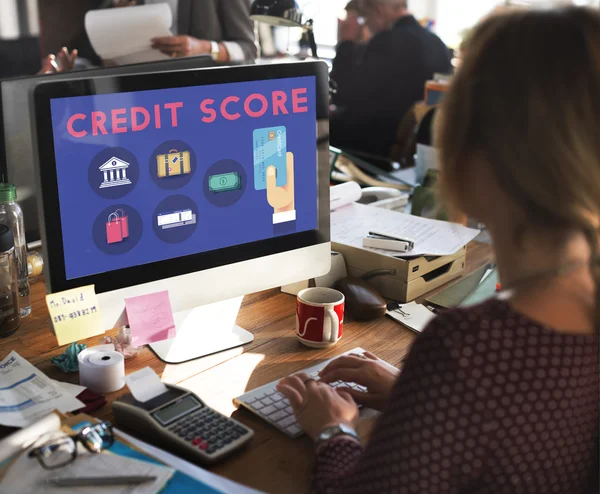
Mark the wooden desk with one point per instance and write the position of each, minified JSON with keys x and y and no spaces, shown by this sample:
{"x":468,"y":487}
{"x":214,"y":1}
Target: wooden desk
{"x":272,"y":462}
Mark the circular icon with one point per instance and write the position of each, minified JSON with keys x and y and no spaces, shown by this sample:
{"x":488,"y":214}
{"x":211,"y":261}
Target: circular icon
{"x":175,"y":219}
{"x":113,"y":173}
{"x":224,"y":183}
{"x":172,"y":165}
{"x":117,"y":229}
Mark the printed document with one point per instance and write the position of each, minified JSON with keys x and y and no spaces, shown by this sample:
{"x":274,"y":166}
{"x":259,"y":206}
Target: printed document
{"x":352,"y":223}
{"x":123,"y":36}
{"x":27,"y":395}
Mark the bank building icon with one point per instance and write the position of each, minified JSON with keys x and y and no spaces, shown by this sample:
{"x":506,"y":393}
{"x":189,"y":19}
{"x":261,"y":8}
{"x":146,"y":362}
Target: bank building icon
{"x":115,"y":173}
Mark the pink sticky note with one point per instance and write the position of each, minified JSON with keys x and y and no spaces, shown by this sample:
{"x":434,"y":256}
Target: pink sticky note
{"x":150,"y":318}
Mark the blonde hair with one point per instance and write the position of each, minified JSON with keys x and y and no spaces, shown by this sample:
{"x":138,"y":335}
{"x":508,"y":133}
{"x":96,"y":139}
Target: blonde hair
{"x":526,"y":102}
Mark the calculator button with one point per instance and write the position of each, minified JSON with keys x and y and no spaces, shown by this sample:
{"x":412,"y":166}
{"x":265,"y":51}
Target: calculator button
{"x":203,"y":446}
{"x":196,"y":441}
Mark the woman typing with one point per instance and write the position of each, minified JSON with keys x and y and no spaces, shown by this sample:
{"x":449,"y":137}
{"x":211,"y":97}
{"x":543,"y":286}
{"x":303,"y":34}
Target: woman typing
{"x":502,"y":397}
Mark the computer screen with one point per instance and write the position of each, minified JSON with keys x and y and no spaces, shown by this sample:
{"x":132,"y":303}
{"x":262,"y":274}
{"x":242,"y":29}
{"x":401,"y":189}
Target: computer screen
{"x":147,"y":178}
{"x":151,"y":175}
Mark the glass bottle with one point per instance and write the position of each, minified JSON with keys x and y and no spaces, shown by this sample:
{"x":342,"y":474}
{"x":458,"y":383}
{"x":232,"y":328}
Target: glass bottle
{"x":11,"y":215}
{"x":9,"y":284}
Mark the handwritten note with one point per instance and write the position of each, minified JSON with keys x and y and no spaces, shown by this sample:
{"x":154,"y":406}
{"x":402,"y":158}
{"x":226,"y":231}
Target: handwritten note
{"x":150,"y":318}
{"x":75,"y":314}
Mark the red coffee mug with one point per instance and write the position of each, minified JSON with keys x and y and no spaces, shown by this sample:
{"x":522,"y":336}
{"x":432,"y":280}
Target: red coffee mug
{"x":319,"y":316}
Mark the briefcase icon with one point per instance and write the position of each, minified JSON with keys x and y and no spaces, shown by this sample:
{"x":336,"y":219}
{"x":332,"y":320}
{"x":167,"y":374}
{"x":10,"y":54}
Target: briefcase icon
{"x":117,"y":227}
{"x":173,"y":164}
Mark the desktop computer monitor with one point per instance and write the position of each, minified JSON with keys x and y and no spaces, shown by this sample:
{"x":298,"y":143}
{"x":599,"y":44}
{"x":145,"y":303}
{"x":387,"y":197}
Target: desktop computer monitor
{"x":209,"y":184}
{"x":16,"y":145}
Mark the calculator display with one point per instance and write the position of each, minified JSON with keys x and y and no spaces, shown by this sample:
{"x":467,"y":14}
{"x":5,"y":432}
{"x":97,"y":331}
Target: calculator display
{"x":182,"y":407}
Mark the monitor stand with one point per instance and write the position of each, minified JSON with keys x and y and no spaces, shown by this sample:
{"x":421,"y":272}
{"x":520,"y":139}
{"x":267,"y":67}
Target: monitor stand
{"x":203,"y":331}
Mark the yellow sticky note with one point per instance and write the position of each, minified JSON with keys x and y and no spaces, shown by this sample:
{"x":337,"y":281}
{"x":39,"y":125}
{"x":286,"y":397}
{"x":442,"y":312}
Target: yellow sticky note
{"x":75,"y":314}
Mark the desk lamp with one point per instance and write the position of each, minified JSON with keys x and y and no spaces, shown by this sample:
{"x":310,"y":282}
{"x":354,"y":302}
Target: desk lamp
{"x":285,"y":13}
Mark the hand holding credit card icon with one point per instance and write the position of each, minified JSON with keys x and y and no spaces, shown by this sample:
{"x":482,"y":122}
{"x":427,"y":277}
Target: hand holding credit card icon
{"x":281,"y":198}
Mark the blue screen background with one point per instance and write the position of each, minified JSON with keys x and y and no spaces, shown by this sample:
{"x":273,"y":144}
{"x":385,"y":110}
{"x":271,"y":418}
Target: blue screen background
{"x":250,"y":219}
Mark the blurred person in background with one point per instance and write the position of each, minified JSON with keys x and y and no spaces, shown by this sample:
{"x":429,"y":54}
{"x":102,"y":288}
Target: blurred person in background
{"x":379,"y":81}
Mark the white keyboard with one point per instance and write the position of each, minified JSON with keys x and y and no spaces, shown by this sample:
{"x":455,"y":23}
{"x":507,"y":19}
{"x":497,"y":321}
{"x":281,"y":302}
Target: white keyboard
{"x":270,"y":405}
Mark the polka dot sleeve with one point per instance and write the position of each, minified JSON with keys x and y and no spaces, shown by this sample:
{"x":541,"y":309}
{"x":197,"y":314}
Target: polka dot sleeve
{"x":488,"y":401}
{"x":428,"y":439}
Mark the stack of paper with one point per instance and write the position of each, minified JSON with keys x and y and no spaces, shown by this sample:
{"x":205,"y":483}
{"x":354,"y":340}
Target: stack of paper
{"x":352,"y":223}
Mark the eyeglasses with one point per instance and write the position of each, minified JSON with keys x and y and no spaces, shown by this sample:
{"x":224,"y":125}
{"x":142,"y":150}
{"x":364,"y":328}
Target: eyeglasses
{"x":62,"y":450}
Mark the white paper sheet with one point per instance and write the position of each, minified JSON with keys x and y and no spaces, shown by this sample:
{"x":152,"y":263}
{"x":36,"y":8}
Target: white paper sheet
{"x":352,"y":223}
{"x":344,"y":194}
{"x":215,"y":481}
{"x":145,"y":384}
{"x":70,"y":388}
{"x":26,"y":394}
{"x":27,"y":475}
{"x":123,"y":36}
{"x":414,"y":316}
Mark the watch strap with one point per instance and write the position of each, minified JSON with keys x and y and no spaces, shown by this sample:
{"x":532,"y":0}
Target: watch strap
{"x":335,"y":431}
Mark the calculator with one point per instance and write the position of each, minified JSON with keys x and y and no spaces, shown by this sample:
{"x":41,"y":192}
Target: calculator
{"x":180,"y":422}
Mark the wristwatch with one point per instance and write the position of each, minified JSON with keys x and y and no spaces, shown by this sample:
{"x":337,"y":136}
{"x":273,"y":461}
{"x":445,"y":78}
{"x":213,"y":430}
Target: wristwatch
{"x":214,"y":50}
{"x":334,"y":431}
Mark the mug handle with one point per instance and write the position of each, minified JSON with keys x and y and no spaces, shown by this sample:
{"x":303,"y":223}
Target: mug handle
{"x":335,"y":325}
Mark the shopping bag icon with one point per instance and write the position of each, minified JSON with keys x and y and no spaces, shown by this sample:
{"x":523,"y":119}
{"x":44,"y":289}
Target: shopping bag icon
{"x":173,"y":163}
{"x":117,"y":227}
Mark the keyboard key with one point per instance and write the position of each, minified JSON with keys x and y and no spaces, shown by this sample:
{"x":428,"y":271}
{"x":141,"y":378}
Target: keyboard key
{"x":267,"y":401}
{"x":281,"y":404}
{"x":294,"y":429}
{"x":291,"y":419}
{"x":268,"y":410}
{"x":289,"y":409}
{"x":277,"y":396}
{"x":277,"y":416}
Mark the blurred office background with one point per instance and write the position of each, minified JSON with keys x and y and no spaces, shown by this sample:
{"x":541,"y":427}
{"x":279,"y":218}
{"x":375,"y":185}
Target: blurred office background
{"x":30,"y":29}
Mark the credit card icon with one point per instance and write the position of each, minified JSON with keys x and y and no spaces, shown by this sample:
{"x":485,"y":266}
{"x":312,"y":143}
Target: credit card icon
{"x":270,"y":148}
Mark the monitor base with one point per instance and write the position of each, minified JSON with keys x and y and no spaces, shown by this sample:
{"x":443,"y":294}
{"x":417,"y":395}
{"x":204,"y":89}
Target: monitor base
{"x":203,"y":331}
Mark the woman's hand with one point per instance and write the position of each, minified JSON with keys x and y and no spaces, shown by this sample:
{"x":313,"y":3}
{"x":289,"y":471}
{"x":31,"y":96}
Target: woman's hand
{"x":63,"y":61}
{"x":366,"y":370}
{"x":181,"y":46}
{"x":317,"y":405}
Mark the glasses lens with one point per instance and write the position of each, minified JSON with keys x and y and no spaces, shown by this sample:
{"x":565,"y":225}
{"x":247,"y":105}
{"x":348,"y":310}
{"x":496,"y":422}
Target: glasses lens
{"x":56,"y":452}
{"x":98,"y":437}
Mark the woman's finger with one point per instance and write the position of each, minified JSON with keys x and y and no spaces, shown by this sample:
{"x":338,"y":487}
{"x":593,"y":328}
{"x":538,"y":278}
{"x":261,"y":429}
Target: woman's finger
{"x":291,"y":394}
{"x":370,"y":356}
{"x":352,"y":375}
{"x":347,"y":361}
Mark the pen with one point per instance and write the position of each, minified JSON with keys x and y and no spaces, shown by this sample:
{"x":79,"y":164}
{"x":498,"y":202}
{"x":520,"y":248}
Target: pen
{"x":99,"y":481}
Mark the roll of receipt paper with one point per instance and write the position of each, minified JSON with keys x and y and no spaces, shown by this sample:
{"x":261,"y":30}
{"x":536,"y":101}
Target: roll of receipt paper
{"x":101,"y":369}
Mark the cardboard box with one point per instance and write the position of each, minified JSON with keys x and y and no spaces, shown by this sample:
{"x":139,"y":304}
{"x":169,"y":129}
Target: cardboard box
{"x":413,"y":277}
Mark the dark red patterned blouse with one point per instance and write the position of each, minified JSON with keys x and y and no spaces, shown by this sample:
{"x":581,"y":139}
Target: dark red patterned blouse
{"x":488,"y":401}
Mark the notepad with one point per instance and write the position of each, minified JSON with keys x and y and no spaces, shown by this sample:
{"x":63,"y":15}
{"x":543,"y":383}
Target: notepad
{"x":75,"y":314}
{"x":150,"y":318}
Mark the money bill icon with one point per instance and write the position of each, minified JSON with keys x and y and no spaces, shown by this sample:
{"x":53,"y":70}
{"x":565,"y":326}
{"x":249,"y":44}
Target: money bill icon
{"x":225,"y":182}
